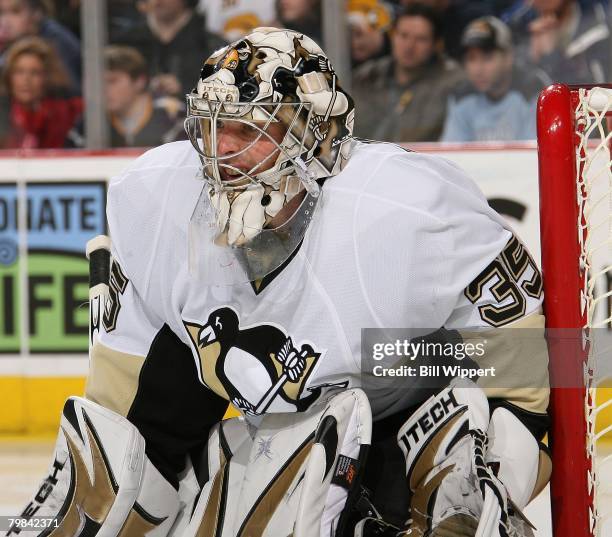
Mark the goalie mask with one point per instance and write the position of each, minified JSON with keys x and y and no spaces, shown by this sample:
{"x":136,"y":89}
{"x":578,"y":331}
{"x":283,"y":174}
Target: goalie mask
{"x":268,"y":119}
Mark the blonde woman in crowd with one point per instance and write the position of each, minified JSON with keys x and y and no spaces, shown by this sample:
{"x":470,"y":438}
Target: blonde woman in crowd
{"x":38,"y":109}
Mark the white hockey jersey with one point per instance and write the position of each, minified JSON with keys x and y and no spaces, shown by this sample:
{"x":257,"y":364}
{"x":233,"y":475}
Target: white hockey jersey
{"x":401,"y":239}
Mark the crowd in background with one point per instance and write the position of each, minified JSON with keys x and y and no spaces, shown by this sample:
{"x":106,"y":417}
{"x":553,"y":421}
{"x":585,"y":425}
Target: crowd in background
{"x":422,"y":70}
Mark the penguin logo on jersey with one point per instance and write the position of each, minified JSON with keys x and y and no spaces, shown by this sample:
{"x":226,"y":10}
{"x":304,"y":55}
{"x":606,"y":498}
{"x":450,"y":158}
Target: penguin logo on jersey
{"x":256,"y":368}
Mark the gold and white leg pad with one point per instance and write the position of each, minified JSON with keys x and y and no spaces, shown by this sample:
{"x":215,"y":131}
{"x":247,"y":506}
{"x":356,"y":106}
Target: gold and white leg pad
{"x":519,"y":463}
{"x":454,"y":490}
{"x":100,"y":481}
{"x":292,"y":475}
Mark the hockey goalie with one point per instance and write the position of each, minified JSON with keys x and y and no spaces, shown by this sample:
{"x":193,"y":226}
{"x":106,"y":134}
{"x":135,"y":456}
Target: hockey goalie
{"x":243,"y":267}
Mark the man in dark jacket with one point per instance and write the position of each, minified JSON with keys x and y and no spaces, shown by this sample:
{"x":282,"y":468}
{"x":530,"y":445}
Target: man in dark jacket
{"x":402,"y":97}
{"x":173,"y":39}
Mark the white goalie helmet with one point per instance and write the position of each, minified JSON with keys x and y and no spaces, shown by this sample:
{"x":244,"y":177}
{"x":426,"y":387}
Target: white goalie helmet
{"x":268,"y":119}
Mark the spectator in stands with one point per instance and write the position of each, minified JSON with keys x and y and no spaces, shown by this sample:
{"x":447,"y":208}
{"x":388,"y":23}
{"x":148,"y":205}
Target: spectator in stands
{"x":67,"y":13}
{"x":402,"y":97}
{"x":301,"y":16}
{"x":21,"y":18}
{"x":136,"y":119}
{"x":123,"y":17}
{"x":498,"y":101}
{"x":516,"y":11}
{"x":232,"y":20}
{"x":37,"y":109}
{"x":454,"y":16}
{"x":570,"y":42}
{"x":370,"y":21}
{"x":173,"y":40}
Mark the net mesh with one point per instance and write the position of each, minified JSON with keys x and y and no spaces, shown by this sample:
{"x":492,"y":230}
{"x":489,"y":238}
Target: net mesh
{"x":594,"y":198}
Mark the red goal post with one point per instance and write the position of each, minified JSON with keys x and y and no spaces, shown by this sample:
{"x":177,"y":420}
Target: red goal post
{"x":576,"y":238}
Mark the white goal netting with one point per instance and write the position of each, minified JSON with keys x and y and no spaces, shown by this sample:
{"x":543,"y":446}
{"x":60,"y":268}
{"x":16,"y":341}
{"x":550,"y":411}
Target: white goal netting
{"x":594,"y":199}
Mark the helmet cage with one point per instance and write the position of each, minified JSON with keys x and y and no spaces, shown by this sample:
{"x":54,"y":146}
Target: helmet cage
{"x":201,"y":125}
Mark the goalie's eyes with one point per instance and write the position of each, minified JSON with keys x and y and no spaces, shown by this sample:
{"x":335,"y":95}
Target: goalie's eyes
{"x":239,"y":129}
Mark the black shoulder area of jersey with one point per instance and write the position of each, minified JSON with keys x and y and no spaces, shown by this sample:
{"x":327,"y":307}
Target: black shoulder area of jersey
{"x":172,"y":409}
